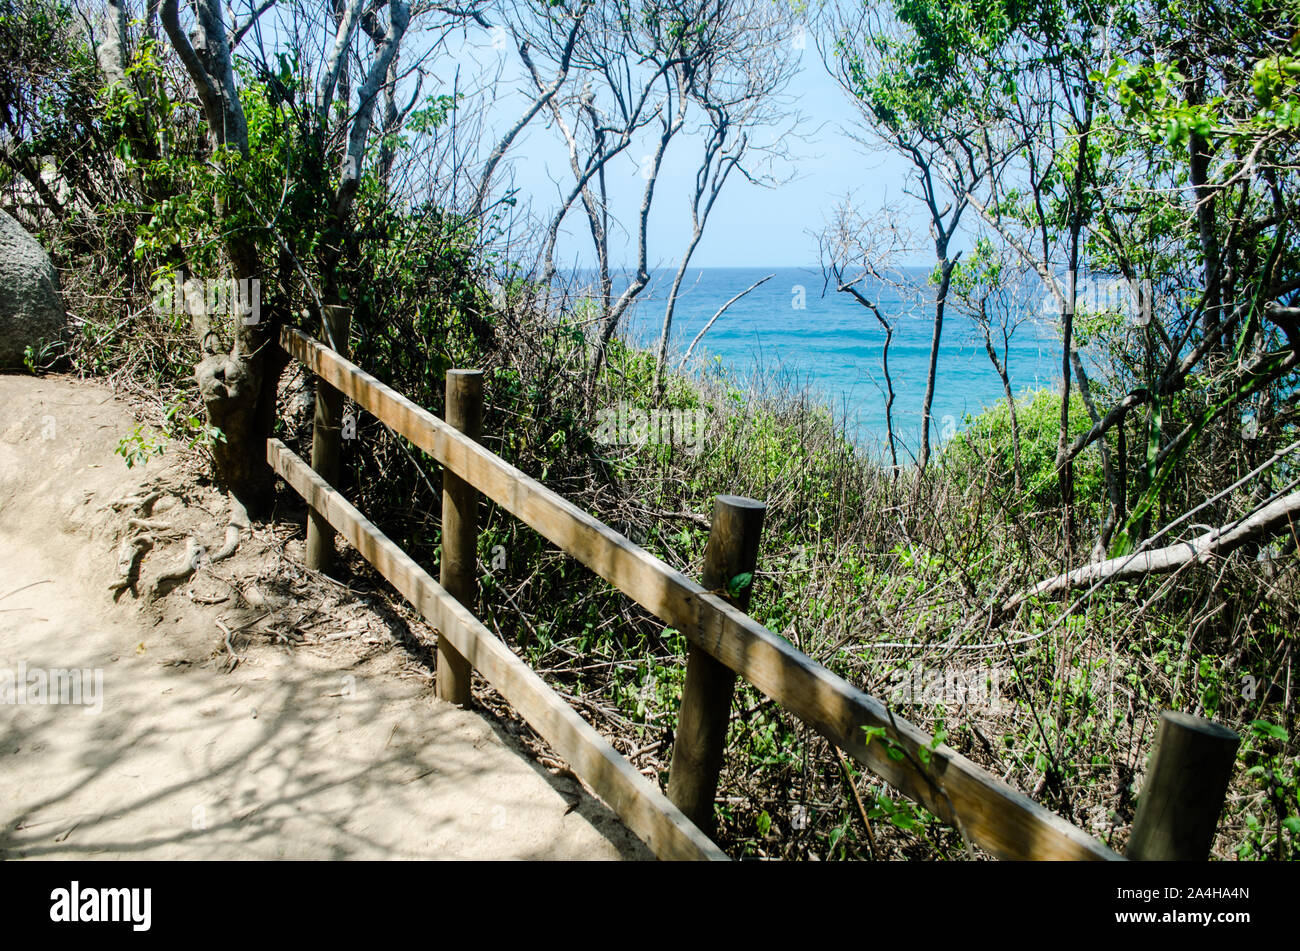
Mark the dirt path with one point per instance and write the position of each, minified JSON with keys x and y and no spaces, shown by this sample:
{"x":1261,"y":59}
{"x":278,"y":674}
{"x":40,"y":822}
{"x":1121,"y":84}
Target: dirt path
{"x":333,"y":747}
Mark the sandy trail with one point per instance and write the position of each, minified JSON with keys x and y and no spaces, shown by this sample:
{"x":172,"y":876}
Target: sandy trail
{"x":289,"y":756}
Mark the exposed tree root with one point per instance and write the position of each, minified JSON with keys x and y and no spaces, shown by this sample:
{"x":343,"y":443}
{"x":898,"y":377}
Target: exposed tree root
{"x":141,"y":503}
{"x":142,"y":537}
{"x":235,"y":528}
{"x":183,"y":569}
{"x":129,"y":555}
{"x":144,"y":525}
{"x":232,"y":659}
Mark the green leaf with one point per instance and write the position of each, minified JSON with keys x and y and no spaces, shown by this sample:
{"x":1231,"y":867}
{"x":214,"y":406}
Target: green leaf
{"x":1264,"y":728}
{"x":903,"y":820}
{"x":740,"y":583}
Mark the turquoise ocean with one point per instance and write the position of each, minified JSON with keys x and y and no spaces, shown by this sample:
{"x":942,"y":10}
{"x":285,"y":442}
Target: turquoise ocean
{"x":793,"y":330}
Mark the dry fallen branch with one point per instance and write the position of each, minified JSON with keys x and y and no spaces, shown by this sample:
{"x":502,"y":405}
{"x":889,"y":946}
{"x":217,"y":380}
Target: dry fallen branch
{"x":1270,"y":520}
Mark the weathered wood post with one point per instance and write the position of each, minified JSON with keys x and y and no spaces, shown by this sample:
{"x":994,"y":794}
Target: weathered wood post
{"x":325,"y":432}
{"x":1178,"y":809}
{"x":706,"y":698}
{"x":459,"y":571}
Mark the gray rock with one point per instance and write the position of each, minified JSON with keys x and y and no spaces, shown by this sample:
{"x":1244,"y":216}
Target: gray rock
{"x":31,"y":307}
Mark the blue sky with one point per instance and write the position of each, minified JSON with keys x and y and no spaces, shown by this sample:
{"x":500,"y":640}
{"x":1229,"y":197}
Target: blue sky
{"x":751,"y":226}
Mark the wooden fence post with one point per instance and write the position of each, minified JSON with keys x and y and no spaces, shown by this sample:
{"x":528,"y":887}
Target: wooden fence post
{"x":1178,"y":809}
{"x":706,"y":698}
{"x":459,"y":571}
{"x":325,"y":432}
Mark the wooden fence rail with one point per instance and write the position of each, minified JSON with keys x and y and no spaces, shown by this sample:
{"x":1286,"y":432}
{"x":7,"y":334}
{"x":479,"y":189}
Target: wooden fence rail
{"x":641,"y":806}
{"x":987,"y":811}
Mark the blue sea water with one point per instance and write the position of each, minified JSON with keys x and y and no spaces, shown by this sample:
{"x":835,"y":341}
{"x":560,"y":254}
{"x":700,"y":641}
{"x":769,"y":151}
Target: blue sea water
{"x":833,"y":345}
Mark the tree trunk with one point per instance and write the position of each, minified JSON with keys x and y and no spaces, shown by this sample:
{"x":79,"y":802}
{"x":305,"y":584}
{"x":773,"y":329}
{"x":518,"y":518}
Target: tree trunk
{"x":945,"y":279}
{"x":237,"y":380}
{"x":1064,"y":464}
{"x":238,"y":387}
{"x":1001,"y":369}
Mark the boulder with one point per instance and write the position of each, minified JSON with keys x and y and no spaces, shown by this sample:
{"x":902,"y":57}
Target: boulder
{"x":31,"y":307}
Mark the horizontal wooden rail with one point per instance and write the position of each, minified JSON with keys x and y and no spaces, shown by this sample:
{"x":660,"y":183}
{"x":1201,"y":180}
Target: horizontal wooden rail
{"x":637,"y":801}
{"x":988,"y":812}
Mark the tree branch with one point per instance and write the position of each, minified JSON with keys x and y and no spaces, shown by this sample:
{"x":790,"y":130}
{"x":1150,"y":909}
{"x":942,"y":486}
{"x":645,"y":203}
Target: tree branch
{"x":1272,"y":519}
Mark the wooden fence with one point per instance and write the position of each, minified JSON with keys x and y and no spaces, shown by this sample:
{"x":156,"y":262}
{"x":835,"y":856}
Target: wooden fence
{"x":724,"y":642}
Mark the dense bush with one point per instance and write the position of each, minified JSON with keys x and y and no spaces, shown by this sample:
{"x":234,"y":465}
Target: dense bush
{"x":986,"y":440}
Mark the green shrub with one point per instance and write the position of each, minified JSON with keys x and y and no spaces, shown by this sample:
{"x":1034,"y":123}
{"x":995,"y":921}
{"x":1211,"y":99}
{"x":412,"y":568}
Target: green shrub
{"x":986,"y":443}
